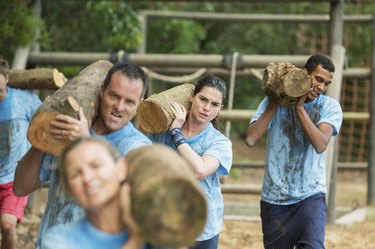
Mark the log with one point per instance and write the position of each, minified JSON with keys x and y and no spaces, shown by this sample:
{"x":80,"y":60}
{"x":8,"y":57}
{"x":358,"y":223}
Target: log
{"x":39,"y":78}
{"x":167,"y":202}
{"x":154,"y":114}
{"x":285,"y":83}
{"x":83,"y":90}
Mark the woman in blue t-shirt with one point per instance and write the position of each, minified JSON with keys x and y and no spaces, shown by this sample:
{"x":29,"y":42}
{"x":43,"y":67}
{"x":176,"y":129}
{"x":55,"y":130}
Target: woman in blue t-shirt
{"x":208,"y":151}
{"x":92,"y":172}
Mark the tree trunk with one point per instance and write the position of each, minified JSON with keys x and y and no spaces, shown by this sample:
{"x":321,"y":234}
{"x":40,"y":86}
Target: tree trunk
{"x":154,"y":114}
{"x":39,"y":78}
{"x":285,"y":83}
{"x":167,"y":202}
{"x":83,"y":90}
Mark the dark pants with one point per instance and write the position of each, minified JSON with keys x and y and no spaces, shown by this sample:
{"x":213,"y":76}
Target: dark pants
{"x":301,"y":224}
{"x":207,"y":244}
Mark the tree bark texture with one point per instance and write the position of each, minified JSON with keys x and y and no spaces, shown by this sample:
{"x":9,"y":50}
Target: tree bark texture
{"x":154,"y":114}
{"x":167,"y":202}
{"x":39,"y":78}
{"x":285,"y":83}
{"x":83,"y":90}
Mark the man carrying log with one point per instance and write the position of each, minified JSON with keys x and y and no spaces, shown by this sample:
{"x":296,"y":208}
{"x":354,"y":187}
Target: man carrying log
{"x":16,"y":110}
{"x":293,"y":201}
{"x":122,"y":91}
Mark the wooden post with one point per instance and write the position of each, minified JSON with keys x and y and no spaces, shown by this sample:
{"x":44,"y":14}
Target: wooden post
{"x":336,"y":22}
{"x":83,"y":90}
{"x":371,"y":149}
{"x":338,"y":58}
{"x":166,"y":200}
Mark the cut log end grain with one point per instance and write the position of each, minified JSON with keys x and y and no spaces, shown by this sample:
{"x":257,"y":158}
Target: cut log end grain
{"x":151,"y":118}
{"x":285,"y":83}
{"x":181,"y":221}
{"x":167,"y":202}
{"x":154,"y":114}
{"x":39,"y":134}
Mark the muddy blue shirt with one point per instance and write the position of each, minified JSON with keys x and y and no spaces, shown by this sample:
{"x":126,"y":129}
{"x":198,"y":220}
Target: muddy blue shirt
{"x":294,"y":170}
{"x":209,"y":142}
{"x":16,"y":111}
{"x":60,"y":207}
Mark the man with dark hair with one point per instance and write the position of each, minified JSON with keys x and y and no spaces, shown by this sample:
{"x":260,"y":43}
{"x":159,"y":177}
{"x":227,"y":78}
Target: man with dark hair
{"x":122,"y":92}
{"x":16,"y":110}
{"x":293,"y":204}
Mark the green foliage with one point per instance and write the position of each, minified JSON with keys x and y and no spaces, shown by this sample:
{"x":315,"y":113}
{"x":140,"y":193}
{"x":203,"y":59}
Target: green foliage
{"x":93,"y":26}
{"x":17,"y":25}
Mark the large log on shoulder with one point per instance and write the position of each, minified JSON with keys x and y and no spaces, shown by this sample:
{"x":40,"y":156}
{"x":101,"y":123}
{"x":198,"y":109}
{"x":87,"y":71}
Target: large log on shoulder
{"x":83,"y":90}
{"x":167,"y":202}
{"x":38,"y":78}
{"x":154,"y":114}
{"x":285,"y":82}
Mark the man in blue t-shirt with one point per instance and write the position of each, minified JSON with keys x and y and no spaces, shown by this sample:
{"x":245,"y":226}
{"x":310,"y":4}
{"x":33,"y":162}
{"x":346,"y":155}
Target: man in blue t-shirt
{"x":293,"y":205}
{"x":16,"y":110}
{"x":123,"y":90}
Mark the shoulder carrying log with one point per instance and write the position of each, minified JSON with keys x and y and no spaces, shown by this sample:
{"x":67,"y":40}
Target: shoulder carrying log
{"x":285,"y":82}
{"x":167,"y":202}
{"x":83,"y":90}
{"x":154,"y":114}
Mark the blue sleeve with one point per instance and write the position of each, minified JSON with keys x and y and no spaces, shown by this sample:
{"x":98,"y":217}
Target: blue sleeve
{"x":332,"y":114}
{"x":222,"y":150}
{"x":48,"y":162}
{"x":261,"y":108}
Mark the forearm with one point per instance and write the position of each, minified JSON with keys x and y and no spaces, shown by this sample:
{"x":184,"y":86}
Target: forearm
{"x":201,"y":166}
{"x":319,"y":138}
{"x":257,"y":129}
{"x":26,"y":178}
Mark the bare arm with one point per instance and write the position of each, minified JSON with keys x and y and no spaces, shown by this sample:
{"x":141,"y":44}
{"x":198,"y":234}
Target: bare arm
{"x":26,"y":178}
{"x":318,"y":136}
{"x":257,"y":129}
{"x":202,"y":166}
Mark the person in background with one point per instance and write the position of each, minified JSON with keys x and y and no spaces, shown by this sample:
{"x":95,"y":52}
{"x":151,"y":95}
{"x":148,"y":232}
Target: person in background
{"x":293,"y":201}
{"x":208,"y":152}
{"x":122,"y":91}
{"x":16,"y":110}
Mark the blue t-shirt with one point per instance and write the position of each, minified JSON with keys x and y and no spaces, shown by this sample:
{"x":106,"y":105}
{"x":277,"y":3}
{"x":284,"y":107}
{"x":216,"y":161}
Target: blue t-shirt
{"x":82,"y":235}
{"x":60,"y":207}
{"x":209,"y":142}
{"x":294,"y":170}
{"x":16,"y":112}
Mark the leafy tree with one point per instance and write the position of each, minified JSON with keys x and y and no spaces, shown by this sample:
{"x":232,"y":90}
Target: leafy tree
{"x":17,"y":25}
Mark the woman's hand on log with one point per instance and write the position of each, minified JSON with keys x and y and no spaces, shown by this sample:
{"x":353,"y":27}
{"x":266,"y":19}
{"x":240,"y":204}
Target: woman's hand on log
{"x":179,"y":112}
{"x":65,"y":127}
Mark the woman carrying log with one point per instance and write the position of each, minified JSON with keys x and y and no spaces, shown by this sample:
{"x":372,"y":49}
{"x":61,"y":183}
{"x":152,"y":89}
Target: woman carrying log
{"x":208,"y":151}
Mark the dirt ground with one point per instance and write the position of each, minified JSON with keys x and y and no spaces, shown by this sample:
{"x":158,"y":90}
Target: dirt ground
{"x":245,"y":232}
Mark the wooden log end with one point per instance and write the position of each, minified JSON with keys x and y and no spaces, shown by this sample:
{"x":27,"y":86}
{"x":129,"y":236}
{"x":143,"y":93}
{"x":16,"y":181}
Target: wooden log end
{"x":59,"y":78}
{"x":297,"y":83}
{"x":176,"y":217}
{"x":151,"y":118}
{"x":73,"y":103}
{"x":39,"y":134}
